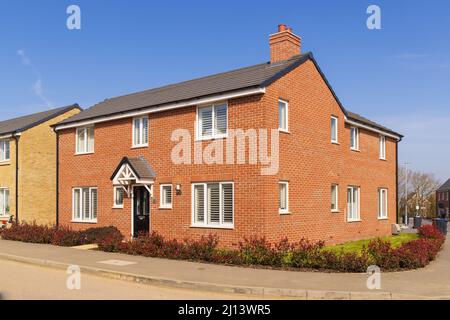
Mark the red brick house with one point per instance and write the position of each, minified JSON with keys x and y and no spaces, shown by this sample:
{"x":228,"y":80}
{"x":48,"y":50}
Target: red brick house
{"x":443,"y":199}
{"x":153,"y":160}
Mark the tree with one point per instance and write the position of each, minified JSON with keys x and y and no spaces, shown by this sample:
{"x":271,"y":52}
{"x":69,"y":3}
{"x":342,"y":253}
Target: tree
{"x":421,"y":192}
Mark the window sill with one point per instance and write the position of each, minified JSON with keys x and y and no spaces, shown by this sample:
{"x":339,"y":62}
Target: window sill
{"x":5,"y":163}
{"x":220,"y":137}
{"x":355,"y":150}
{"x":352,"y":221}
{"x":335,"y":143}
{"x":383,"y":219}
{"x":83,"y":153}
{"x":335,"y":211}
{"x":165,"y":208}
{"x":284,"y":213}
{"x":383,"y":159}
{"x":117,"y":207}
{"x":211,"y":227}
{"x":140,"y":146}
{"x":85,"y":221}
{"x":283,"y":131}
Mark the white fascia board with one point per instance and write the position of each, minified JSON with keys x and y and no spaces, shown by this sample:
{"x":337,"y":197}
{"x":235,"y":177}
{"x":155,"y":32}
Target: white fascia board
{"x":6,"y":136}
{"x":193,"y":102}
{"x":360,"y":125}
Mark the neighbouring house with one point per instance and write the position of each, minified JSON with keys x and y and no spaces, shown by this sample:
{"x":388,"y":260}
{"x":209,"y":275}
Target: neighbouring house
{"x":443,"y":199}
{"x":265,"y":150}
{"x":28,"y":166}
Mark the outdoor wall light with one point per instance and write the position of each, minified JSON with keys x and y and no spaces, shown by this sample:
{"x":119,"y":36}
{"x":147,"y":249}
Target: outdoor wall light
{"x":178,"y":189}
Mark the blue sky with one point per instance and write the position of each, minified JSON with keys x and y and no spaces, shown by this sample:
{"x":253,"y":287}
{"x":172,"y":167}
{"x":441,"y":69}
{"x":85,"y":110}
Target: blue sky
{"x":399,"y":75}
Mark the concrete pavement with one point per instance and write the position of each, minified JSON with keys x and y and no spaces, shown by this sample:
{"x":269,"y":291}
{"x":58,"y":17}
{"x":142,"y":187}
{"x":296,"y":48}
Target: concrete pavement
{"x":431,"y":282}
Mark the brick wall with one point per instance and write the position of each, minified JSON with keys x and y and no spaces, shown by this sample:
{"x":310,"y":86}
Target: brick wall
{"x":308,"y":160}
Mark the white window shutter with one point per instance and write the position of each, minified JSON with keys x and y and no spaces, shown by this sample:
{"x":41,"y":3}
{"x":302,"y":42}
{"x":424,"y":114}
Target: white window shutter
{"x":227,"y":196}
{"x":86,"y":206}
{"x":221,"y":121}
{"x":145,"y":130}
{"x":76,"y":204}
{"x":93,"y":203}
{"x":206,"y":121}
{"x":199,"y":203}
{"x":214,"y":203}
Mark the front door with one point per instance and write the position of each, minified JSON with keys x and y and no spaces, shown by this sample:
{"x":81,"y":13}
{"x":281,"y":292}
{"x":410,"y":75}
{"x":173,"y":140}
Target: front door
{"x":141,"y":210}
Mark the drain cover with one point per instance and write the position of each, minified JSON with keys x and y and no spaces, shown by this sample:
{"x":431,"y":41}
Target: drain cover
{"x":120,"y":263}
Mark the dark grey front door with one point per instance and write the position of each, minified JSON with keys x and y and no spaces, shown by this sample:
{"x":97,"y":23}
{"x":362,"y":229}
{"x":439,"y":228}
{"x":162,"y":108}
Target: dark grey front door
{"x":141,"y":210}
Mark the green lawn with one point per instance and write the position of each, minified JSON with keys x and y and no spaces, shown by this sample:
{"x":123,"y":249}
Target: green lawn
{"x":356,"y":246}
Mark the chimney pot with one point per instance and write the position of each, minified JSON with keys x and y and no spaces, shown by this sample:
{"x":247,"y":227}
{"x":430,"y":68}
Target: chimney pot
{"x":282,"y":27}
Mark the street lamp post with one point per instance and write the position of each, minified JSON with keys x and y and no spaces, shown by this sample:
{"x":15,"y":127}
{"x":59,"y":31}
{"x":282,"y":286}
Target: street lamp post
{"x":406,"y":194}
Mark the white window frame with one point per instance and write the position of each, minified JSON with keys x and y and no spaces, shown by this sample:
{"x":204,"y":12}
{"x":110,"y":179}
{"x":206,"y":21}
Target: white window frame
{"x":286,"y":210}
{"x":335,"y":185}
{"x":162,"y":203}
{"x":336,"y":120}
{"x":86,"y":140}
{"x":358,"y":204}
{"x":286,"y":103}
{"x":356,"y":130}
{"x":3,"y":211}
{"x":382,"y":147}
{"x":3,"y":157}
{"x":205,"y":223}
{"x":382,"y":212}
{"x":120,"y":205}
{"x":143,"y":138}
{"x":81,"y":205}
{"x":198,"y":122}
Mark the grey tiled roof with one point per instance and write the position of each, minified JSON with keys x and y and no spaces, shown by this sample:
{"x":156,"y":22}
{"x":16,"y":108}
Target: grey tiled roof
{"x":256,"y":76}
{"x":139,"y":165}
{"x":445,"y":186}
{"x":20,"y":124}
{"x":356,"y":117}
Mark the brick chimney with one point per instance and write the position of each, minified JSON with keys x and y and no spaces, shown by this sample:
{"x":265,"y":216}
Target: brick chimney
{"x":284,"y":44}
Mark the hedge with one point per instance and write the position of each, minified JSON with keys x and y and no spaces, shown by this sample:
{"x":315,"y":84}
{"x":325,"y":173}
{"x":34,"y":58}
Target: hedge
{"x":251,"y":251}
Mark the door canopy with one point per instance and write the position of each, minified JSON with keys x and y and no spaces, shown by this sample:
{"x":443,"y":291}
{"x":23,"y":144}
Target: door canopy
{"x":134,"y":171}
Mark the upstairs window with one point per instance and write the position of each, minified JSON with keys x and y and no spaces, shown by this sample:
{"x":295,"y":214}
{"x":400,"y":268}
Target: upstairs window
{"x":4,"y":150}
{"x":166,"y":196}
{"x":140,"y":132}
{"x":334,"y":130}
{"x":4,"y":202}
{"x":382,"y":204}
{"x":85,"y":140}
{"x":283,"y":115}
{"x":382,"y":147}
{"x":212,"y":121}
{"x":354,"y":138}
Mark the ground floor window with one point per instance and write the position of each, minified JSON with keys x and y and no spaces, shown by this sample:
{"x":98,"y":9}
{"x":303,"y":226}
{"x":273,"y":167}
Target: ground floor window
{"x":166,"y":196}
{"x":283,"y":197}
{"x":84,"y":204}
{"x":213,"y":204}
{"x":334,"y":198}
{"x":382,"y":204}
{"x":118,"y":197}
{"x":4,"y":202}
{"x":353,"y":198}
